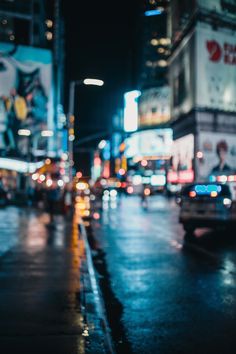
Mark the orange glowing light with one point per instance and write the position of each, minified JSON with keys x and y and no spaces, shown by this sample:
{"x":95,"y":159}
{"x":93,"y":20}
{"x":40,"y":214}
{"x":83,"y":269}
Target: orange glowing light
{"x":144,"y":163}
{"x":79,"y":174}
{"x":96,"y":216}
{"x":192,"y":194}
{"x":130,"y":190}
{"x":214,"y":194}
{"x":147,"y":191}
{"x":47,"y":161}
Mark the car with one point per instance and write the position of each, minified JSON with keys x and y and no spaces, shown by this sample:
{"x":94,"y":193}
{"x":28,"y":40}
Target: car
{"x":206,"y":205}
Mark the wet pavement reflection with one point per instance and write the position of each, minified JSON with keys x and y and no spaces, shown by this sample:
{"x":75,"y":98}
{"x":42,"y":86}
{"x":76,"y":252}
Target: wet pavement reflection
{"x":40,"y":284}
{"x":168,"y":294}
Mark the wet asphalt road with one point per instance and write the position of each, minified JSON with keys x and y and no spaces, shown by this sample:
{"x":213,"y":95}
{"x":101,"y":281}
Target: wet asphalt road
{"x":39,"y":284}
{"x":164,"y":295}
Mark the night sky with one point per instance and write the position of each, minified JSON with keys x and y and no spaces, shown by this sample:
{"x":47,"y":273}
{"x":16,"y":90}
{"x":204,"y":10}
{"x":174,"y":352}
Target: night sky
{"x":102,"y":41}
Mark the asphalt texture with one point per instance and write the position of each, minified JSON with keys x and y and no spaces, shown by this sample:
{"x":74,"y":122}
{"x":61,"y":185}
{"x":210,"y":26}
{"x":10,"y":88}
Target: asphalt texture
{"x":46,"y":301}
{"x":164,"y":294}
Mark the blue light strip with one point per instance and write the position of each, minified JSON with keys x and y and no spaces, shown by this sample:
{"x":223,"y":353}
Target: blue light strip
{"x":207,"y":189}
{"x":153,"y":12}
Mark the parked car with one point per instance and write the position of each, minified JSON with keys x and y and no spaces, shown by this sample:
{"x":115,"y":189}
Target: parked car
{"x":206,"y":205}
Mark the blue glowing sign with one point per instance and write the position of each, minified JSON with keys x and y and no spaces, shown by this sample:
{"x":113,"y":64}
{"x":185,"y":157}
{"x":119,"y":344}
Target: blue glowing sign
{"x":153,"y":12}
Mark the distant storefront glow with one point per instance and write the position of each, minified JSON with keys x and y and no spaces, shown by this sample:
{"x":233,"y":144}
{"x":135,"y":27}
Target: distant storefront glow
{"x":131,"y":111}
{"x":158,"y":180}
{"x":181,"y":167}
{"x":151,"y":143}
{"x":20,"y":166}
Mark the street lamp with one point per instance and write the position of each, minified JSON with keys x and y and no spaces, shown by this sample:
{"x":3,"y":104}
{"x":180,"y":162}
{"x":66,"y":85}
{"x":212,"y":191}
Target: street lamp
{"x":24,"y":132}
{"x":71,"y":118}
{"x":93,"y":82}
{"x":47,"y":133}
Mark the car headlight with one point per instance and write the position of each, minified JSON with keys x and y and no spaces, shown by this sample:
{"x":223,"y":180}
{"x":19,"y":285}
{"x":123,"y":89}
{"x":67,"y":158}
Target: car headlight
{"x":227,"y":202}
{"x":113,"y":193}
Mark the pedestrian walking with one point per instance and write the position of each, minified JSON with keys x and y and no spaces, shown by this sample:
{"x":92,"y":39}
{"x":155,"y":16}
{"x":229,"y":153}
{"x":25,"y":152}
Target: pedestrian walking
{"x":53,"y":196}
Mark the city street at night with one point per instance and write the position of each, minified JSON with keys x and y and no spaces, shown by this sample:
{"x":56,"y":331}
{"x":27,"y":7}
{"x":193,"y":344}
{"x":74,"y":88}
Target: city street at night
{"x":164,"y":295}
{"x":118,"y":177}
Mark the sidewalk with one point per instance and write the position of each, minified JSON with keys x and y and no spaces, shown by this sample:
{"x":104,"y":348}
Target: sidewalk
{"x":47,"y":299}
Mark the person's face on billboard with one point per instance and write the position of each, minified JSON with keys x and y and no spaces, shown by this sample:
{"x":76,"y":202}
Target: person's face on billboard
{"x":222,"y":153}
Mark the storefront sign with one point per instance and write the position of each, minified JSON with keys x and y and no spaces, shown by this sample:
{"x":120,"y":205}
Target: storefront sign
{"x":154,"y":107}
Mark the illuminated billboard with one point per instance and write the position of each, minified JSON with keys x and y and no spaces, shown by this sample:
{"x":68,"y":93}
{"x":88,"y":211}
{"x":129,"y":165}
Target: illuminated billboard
{"x":131,"y":110}
{"x":154,"y":107}
{"x":25,"y":97}
{"x":150,"y":143}
{"x":216,"y":69}
{"x":218,"y":154}
{"x":203,"y":72}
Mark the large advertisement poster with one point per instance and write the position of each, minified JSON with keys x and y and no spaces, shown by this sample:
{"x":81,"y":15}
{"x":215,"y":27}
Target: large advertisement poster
{"x":216,"y":69}
{"x":154,"y":107}
{"x":25,"y":96}
{"x":218,"y":154}
{"x":222,"y":7}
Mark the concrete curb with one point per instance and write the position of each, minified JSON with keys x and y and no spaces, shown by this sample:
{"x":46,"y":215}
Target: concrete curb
{"x":99,"y":304}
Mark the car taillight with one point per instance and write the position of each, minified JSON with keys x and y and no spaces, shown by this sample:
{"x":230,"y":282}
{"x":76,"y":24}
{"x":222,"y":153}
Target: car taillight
{"x":147,"y":191}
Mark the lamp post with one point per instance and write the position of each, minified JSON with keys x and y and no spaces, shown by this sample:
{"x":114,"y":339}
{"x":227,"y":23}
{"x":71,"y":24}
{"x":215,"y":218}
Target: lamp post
{"x":71,"y":118}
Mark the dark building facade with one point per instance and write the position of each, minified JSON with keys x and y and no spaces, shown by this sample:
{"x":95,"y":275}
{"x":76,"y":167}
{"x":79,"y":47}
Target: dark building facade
{"x":155,"y":44}
{"x":26,"y":22}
